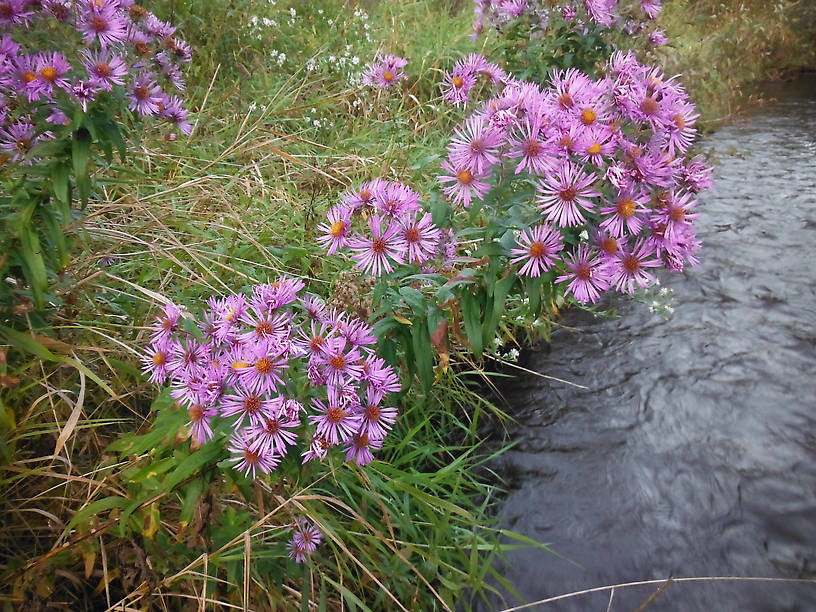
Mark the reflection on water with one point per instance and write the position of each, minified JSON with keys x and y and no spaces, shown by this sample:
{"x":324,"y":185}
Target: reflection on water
{"x":693,"y":450}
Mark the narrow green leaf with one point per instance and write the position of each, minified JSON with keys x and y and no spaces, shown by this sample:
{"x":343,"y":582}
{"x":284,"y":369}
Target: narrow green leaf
{"x":94,"y":508}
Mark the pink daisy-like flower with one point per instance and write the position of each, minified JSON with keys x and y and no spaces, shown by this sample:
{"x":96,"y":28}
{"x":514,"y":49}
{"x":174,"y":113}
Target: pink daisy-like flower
{"x":376,"y":254}
{"x":625,"y":213}
{"x":376,"y":420}
{"x":187,"y":357}
{"x":529,"y":143}
{"x":166,"y":323}
{"x":268,"y":360}
{"x":247,"y":457}
{"x":457,"y":83}
{"x":305,"y":539}
{"x":340,"y":365}
{"x":628,"y":269}
{"x":333,"y":422}
{"x":200,"y":423}
{"x":155,"y":361}
{"x":420,"y":236}
{"x":272,"y":434}
{"x":563,"y":191}
{"x":385,"y":71}
{"x":475,"y":145}
{"x":588,"y":276}
{"x":145,"y":95}
{"x":537,"y":249}
{"x":358,"y":448}
{"x":336,"y":231}
{"x":247,"y":405}
{"x":102,"y":22}
{"x":364,"y":196}
{"x":675,"y":214}
{"x":51,"y":69}
{"x":462,"y":185}
{"x":395,"y":199}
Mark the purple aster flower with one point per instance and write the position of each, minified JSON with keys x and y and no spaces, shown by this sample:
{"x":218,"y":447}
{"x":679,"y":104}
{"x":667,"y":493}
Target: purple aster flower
{"x":104,"y":68}
{"x":273,"y":434}
{"x":674,"y":214}
{"x":562,"y":192}
{"x":358,"y":448}
{"x":243,"y":404}
{"x":527,"y":143}
{"x":651,"y":8}
{"x":339,"y":365}
{"x":420,"y":236}
{"x":696,"y":174}
{"x":187,"y":358}
{"x":200,"y":423}
{"x":51,"y":68}
{"x":629,"y":266}
{"x":375,"y":255}
{"x":18,"y":139}
{"x":537,"y":249}
{"x":462,"y":185}
{"x":588,"y":276}
{"x":625,"y":213}
{"x":376,"y":420}
{"x":456,"y":85}
{"x":317,"y":450}
{"x":166,"y":323}
{"x":475,"y":145}
{"x":145,"y":95}
{"x":305,"y":538}
{"x":333,"y":422}
{"x":568,"y":12}
{"x":57,"y":117}
{"x":103,"y":23}
{"x":155,"y":361}
{"x":358,"y":333}
{"x":247,"y":457}
{"x":268,"y":360}
{"x":175,"y":113}
{"x":14,"y":12}
{"x":384,"y":71}
{"x":61,"y":10}
{"x":158,"y":28}
{"x":594,"y":145}
{"x":395,"y":199}
{"x":84,"y":93}
{"x":658,"y":38}
{"x":364,"y":196}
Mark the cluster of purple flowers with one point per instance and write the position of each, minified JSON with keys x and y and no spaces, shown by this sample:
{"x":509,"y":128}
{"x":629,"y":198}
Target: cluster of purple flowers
{"x":305,"y":539}
{"x":458,"y":82}
{"x":242,"y":366}
{"x":399,"y":231}
{"x":611,"y":163}
{"x":56,"y":55}
{"x":634,"y":16}
{"x":384,"y":71}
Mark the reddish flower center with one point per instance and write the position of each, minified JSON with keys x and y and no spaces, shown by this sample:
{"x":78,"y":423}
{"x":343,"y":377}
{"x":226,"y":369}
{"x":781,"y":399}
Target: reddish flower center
{"x":272,"y":426}
{"x":142,"y":48}
{"x":566,"y":141}
{"x":565,"y":100}
{"x":365,"y":195}
{"x":29,"y":76}
{"x":531,"y":148}
{"x":609,"y":245}
{"x":6,"y":12}
{"x":361,"y":440}
{"x":49,"y":73}
{"x":159,"y":359}
{"x":583,"y":272}
{"x":137,"y":12}
{"x":465,"y":176}
{"x":103,"y":69}
{"x":631,"y":264}
{"x":594,"y":148}
{"x":537,"y":249}
{"x":679,"y":121}
{"x":388,"y":76}
{"x":338,"y":362}
{"x":372,"y":413}
{"x":252,"y":404}
{"x":677,"y":214}
{"x":263,"y":365}
{"x":412,"y":234}
{"x":141,"y":92}
{"x":250,"y":456}
{"x":458,"y":81}
{"x":378,"y":246}
{"x":338,"y":228}
{"x":264,"y":328}
{"x":626,"y":208}
{"x":477,"y":146}
{"x":196,"y":413}
{"x":316,"y":343}
{"x":335,"y":414}
{"x":649,"y":106}
{"x":588,"y":116}
{"x":568,"y":194}
{"x":98,"y":24}
{"x":635,"y":152}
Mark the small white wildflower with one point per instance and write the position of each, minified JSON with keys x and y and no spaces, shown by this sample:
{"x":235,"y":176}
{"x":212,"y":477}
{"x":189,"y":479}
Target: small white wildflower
{"x":273,"y":53}
{"x":293,"y":12}
{"x":316,"y":123}
{"x":355,"y":60}
{"x":513,"y":354}
{"x":314,"y":110}
{"x":330,"y":21}
{"x":281,"y":59}
{"x":584,"y":235}
{"x":332,"y":59}
{"x":252,"y":107}
{"x":319,"y":11}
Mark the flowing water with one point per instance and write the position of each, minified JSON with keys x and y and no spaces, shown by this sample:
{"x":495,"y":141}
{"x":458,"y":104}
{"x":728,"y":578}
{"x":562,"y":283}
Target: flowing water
{"x":692,"y":452}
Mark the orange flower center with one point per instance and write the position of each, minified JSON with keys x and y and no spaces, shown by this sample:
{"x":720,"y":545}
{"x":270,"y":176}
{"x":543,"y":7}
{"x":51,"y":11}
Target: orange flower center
{"x":264,"y":328}
{"x":649,"y":105}
{"x":141,"y":92}
{"x":565,"y":100}
{"x":335,"y":414}
{"x":378,"y":246}
{"x":99,"y":23}
{"x":337,"y":228}
{"x":412,"y":234}
{"x":583,"y":272}
{"x":594,"y":148}
{"x":338,"y":362}
{"x":532,"y":148}
{"x":568,"y":194}
{"x":609,"y":245}
{"x":272,"y":426}
{"x":372,"y":413}
{"x":362,"y":440}
{"x":588,"y":116}
{"x":252,"y":404}
{"x":458,"y":81}
{"x":388,"y":76}
{"x":250,"y":456}
{"x":365,"y":195}
{"x":679,"y":121}
{"x":537,"y":249}
{"x":316,"y":342}
{"x":566,"y":141}
{"x":196,"y":412}
{"x":263,"y":365}
{"x":159,"y":359}
{"x":626,"y":208}
{"x":29,"y":76}
{"x":677,"y":214}
{"x":49,"y":73}
{"x":631,"y":264}
{"x":103,"y":69}
{"x":465,"y":176}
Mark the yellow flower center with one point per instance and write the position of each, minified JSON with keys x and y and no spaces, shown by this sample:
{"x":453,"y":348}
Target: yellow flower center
{"x":594,"y":148}
{"x":626,"y":208}
{"x":458,"y":81}
{"x":588,"y":116}
{"x":464,"y":176}
{"x":388,"y":76}
{"x":337,"y":229}
{"x":49,"y":73}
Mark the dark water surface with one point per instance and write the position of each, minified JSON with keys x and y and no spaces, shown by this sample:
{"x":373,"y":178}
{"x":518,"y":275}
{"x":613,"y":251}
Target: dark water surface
{"x":693,"y":450}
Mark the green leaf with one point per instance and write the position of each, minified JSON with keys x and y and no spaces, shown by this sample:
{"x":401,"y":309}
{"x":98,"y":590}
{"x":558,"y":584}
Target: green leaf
{"x":192,"y":493}
{"x":33,"y":264}
{"x":80,"y":154}
{"x":94,"y":508}
{"x":423,"y":353}
{"x":194,"y":462}
{"x":27,"y":344}
{"x":471,"y":315}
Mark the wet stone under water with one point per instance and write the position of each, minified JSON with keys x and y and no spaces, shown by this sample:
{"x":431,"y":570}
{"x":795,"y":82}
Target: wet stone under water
{"x":692,"y":452}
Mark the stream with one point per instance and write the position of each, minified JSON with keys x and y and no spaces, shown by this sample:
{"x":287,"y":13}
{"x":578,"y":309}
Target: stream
{"x":692,"y":450}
